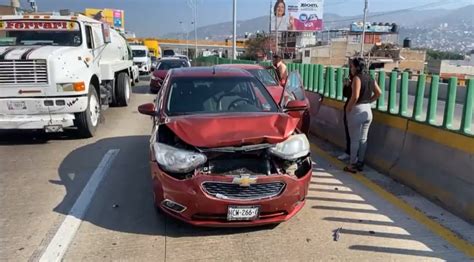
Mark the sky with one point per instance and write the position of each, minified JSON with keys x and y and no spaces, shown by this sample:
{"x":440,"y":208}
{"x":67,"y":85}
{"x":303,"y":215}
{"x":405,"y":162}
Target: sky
{"x":159,"y":17}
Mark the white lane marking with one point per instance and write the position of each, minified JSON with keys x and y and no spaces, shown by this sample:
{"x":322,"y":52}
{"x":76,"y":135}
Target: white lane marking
{"x":68,"y":229}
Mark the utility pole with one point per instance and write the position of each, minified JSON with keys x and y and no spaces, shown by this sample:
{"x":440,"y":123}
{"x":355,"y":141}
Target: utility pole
{"x":366,"y":7}
{"x":276,"y":35}
{"x":193,"y":5}
{"x":16,"y":5}
{"x":234,"y":39}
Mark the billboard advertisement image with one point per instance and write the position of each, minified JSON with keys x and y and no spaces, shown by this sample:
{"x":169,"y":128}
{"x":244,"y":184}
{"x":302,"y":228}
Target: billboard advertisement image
{"x":113,"y":17}
{"x":297,"y":15}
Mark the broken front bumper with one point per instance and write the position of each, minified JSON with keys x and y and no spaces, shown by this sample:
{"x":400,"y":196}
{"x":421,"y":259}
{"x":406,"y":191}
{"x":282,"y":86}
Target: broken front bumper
{"x":204,"y":209}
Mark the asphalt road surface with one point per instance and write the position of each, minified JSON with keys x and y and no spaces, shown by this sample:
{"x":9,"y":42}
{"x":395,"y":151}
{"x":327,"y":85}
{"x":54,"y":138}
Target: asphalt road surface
{"x":43,"y":178}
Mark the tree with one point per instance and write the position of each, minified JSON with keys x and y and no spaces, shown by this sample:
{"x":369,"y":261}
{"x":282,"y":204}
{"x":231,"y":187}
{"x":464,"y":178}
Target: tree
{"x":440,"y":55}
{"x":258,"y":47}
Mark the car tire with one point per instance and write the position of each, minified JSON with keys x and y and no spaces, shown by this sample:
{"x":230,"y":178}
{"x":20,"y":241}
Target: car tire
{"x":122,"y":90}
{"x":88,"y":121}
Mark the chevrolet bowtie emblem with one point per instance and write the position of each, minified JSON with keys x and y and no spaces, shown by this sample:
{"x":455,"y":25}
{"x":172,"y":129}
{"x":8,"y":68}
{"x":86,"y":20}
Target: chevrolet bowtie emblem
{"x":244,"y":181}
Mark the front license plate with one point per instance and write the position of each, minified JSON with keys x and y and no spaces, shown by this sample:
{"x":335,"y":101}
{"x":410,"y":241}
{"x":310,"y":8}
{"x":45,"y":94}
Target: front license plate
{"x":242,"y":213}
{"x":16,"y":105}
{"x":53,"y":129}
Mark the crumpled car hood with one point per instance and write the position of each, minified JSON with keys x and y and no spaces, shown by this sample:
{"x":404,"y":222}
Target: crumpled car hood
{"x":210,"y":131}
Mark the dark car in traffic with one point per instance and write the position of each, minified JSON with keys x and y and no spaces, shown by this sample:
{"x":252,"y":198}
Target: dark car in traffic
{"x":159,"y":73}
{"x":223,"y":153}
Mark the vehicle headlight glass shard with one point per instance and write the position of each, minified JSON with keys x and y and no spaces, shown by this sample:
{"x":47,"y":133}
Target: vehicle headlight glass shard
{"x":177,"y":160}
{"x":296,"y":146}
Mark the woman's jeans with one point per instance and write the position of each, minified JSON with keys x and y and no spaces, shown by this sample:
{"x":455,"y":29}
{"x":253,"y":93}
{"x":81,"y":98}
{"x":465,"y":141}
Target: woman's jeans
{"x":359,"y":120}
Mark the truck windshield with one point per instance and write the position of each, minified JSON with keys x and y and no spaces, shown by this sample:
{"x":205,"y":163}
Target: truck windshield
{"x":60,"y":33}
{"x":139,"y":53}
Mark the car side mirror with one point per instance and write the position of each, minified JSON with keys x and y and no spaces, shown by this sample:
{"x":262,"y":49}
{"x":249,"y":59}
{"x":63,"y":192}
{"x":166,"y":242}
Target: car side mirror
{"x":147,"y":109}
{"x":296,"y":105}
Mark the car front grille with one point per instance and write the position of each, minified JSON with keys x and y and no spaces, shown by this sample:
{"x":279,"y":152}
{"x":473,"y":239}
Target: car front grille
{"x":234,"y":191}
{"x":23,"y":72}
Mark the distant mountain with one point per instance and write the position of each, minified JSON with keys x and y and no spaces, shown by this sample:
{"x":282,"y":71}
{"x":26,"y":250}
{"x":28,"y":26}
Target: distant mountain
{"x":422,"y":25}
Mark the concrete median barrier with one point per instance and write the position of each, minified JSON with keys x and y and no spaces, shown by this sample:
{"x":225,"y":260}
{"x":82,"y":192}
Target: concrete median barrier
{"x":436,"y":162}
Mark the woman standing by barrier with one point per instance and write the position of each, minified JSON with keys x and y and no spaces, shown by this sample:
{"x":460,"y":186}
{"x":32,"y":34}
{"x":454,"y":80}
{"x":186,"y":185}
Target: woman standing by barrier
{"x":359,"y":112}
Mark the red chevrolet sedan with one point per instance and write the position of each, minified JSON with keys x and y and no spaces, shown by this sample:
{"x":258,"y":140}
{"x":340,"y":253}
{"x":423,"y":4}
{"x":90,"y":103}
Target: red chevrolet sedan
{"x":223,"y":153}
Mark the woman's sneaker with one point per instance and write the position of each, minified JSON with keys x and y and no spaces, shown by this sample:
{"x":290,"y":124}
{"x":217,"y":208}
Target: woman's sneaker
{"x":360,"y":166}
{"x":343,"y":157}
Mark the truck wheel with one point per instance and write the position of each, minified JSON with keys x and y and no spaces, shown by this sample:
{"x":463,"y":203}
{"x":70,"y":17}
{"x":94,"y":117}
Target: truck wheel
{"x":87,"y":121}
{"x":122,"y":90}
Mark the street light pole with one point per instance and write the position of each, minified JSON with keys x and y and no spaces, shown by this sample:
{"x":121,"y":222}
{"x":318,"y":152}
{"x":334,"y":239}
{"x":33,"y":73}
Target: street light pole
{"x":366,"y":6}
{"x":195,"y":31}
{"x":234,"y":40}
{"x":193,"y":5}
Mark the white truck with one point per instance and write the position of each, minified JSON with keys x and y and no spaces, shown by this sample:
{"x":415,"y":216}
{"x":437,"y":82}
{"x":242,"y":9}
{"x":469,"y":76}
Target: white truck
{"x":59,"y":72}
{"x":142,"y":58}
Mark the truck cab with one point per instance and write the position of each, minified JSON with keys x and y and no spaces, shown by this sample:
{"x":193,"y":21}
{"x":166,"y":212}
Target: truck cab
{"x":142,"y":58}
{"x":59,"y":72}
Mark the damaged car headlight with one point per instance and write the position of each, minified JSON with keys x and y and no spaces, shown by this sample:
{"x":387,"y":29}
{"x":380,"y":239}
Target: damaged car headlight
{"x":177,"y":160}
{"x":296,"y":146}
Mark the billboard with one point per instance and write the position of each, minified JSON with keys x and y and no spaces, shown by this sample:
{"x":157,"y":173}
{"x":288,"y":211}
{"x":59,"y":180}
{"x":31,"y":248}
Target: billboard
{"x":357,"y":27}
{"x":113,"y":17}
{"x":297,"y":15}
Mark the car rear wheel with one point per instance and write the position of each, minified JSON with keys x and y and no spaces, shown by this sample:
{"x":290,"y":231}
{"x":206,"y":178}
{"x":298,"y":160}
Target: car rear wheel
{"x":88,"y":121}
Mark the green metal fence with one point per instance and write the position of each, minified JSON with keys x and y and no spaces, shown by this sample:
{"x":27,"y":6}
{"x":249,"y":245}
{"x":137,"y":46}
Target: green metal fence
{"x":328,"y":81}
{"x":214,"y":60}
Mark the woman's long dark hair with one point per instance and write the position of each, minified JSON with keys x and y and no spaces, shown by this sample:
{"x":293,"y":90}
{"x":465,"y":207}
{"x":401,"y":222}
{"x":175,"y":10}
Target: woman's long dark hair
{"x":275,"y":7}
{"x":360,"y":65}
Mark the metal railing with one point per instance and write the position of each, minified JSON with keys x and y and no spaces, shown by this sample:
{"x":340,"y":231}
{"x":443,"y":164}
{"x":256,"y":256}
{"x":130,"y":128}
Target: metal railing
{"x":418,"y":100}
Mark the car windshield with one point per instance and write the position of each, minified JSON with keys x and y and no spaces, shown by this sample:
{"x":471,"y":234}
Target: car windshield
{"x":264,"y":76}
{"x":139,"y":53}
{"x":170,"y":64}
{"x":58,"y":33}
{"x":218,"y":95}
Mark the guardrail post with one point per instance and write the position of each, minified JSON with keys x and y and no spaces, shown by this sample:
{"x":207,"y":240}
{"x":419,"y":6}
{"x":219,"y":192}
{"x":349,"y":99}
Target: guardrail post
{"x":297,"y":68}
{"x":327,"y":80}
{"x":467,"y":111}
{"x":339,"y":83}
{"x":419,"y":97}
{"x":310,"y":77}
{"x":381,"y":100}
{"x":332,"y":83}
{"x":450,"y":103}
{"x":392,"y":93}
{"x":433,"y":102}
{"x":373,"y":77}
{"x":315,"y":74}
{"x":321,"y":79}
{"x":305,"y":76}
{"x":404,"y":95}
{"x":301,"y":71}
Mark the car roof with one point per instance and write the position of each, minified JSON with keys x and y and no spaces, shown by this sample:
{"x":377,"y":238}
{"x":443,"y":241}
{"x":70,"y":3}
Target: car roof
{"x":171,"y":58}
{"x":242,"y":66}
{"x":209,"y":72}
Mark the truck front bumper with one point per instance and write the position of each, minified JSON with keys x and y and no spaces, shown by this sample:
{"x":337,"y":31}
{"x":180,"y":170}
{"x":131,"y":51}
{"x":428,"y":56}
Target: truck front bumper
{"x":36,"y":121}
{"x":38,"y":113}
